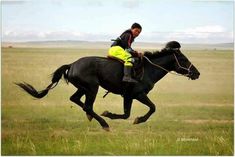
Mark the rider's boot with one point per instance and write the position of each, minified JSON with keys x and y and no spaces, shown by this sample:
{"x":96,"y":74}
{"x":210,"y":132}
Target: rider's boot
{"x":127,"y":75}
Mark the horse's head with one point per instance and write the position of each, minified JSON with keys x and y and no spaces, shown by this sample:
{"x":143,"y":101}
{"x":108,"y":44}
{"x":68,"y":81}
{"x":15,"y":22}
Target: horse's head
{"x":181,"y":65}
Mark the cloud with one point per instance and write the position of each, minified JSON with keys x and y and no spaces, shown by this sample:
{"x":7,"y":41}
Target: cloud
{"x":206,"y":29}
{"x":13,"y":2}
{"x":130,"y":4}
{"x":53,"y":35}
{"x":34,"y":35}
{"x":93,"y":3}
{"x":202,"y":34}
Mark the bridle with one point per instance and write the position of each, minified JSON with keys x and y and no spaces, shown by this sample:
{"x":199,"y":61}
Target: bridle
{"x":181,"y":67}
{"x":177,"y":61}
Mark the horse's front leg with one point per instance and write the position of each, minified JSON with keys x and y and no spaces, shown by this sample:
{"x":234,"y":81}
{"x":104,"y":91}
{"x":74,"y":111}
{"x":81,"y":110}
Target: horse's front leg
{"x":127,"y":109}
{"x":145,"y":100}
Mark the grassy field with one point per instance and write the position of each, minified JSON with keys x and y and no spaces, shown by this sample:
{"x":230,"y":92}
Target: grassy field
{"x":192,"y":118}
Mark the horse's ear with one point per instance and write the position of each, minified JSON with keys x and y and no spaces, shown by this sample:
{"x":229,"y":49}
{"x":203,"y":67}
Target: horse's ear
{"x":173,"y":45}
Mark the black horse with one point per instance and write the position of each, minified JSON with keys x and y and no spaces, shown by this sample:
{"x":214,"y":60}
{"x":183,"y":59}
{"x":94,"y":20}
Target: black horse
{"x":88,"y":73}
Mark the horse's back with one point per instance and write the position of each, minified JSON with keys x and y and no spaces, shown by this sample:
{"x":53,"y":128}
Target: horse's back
{"x":94,"y":64}
{"x":96,"y":71}
{"x":83,"y":66}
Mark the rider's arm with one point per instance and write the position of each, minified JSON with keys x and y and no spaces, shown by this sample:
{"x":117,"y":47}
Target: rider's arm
{"x":126,"y":40}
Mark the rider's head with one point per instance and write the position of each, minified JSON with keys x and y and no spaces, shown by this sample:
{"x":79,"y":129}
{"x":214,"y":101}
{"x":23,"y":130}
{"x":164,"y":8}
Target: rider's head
{"x":136,"y":29}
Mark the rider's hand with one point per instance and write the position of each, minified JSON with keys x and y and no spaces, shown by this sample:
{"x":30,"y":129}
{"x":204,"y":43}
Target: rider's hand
{"x":140,"y":54}
{"x":137,"y":54}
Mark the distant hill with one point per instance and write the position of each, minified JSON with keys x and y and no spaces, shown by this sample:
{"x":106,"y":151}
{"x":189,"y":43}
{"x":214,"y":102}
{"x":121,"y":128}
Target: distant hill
{"x":59,"y":44}
{"x":106,"y":45}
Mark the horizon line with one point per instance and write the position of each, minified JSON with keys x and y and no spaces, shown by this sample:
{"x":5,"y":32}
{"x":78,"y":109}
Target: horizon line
{"x":91,"y":41}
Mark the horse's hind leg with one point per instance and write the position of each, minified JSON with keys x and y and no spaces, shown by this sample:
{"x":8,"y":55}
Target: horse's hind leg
{"x":88,"y":108}
{"x":76,"y":98}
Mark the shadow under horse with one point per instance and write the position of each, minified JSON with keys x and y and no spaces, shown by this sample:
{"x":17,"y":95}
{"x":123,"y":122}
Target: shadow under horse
{"x":88,"y":73}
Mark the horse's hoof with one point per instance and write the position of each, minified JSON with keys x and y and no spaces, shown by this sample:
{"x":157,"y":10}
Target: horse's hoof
{"x":105,"y":113}
{"x":89,"y":117}
{"x":106,"y":129}
{"x":136,"y":121}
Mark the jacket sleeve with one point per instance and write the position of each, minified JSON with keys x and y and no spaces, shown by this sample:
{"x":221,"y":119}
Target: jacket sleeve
{"x":126,"y":41}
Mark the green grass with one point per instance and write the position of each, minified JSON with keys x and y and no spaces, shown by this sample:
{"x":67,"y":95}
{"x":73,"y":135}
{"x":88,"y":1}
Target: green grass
{"x":192,"y":118}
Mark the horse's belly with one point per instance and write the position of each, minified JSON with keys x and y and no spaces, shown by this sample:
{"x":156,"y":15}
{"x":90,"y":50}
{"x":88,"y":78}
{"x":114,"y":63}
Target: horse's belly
{"x":110,"y":76}
{"x":112,"y":87}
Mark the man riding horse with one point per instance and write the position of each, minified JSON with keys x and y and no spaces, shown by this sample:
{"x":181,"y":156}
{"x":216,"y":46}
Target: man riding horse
{"x":88,"y":73}
{"x":121,"y":49}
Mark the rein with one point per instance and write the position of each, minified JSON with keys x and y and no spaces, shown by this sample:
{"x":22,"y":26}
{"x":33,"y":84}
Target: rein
{"x":156,"y":65}
{"x":188,"y":69}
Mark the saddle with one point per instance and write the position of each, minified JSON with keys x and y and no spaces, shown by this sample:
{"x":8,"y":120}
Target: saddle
{"x":138,"y":68}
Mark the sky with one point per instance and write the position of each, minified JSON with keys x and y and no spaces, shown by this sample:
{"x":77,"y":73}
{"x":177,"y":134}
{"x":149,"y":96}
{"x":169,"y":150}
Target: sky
{"x":188,"y":21}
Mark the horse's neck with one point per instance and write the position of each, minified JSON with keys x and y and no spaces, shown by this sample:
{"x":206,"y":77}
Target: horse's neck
{"x":156,"y":73}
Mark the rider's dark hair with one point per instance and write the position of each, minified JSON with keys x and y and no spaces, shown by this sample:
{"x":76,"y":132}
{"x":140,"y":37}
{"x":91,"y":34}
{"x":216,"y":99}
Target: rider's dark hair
{"x":136,"y":25}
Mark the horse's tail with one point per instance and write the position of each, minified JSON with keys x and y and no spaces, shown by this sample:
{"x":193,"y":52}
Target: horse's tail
{"x":56,"y":76}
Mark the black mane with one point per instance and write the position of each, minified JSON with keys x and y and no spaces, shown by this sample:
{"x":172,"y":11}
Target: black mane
{"x":165,"y":51}
{"x":156,"y":54}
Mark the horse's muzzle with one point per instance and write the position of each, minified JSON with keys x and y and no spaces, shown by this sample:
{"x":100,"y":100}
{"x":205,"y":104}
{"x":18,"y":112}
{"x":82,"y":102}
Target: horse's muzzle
{"x":194,"y":75}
